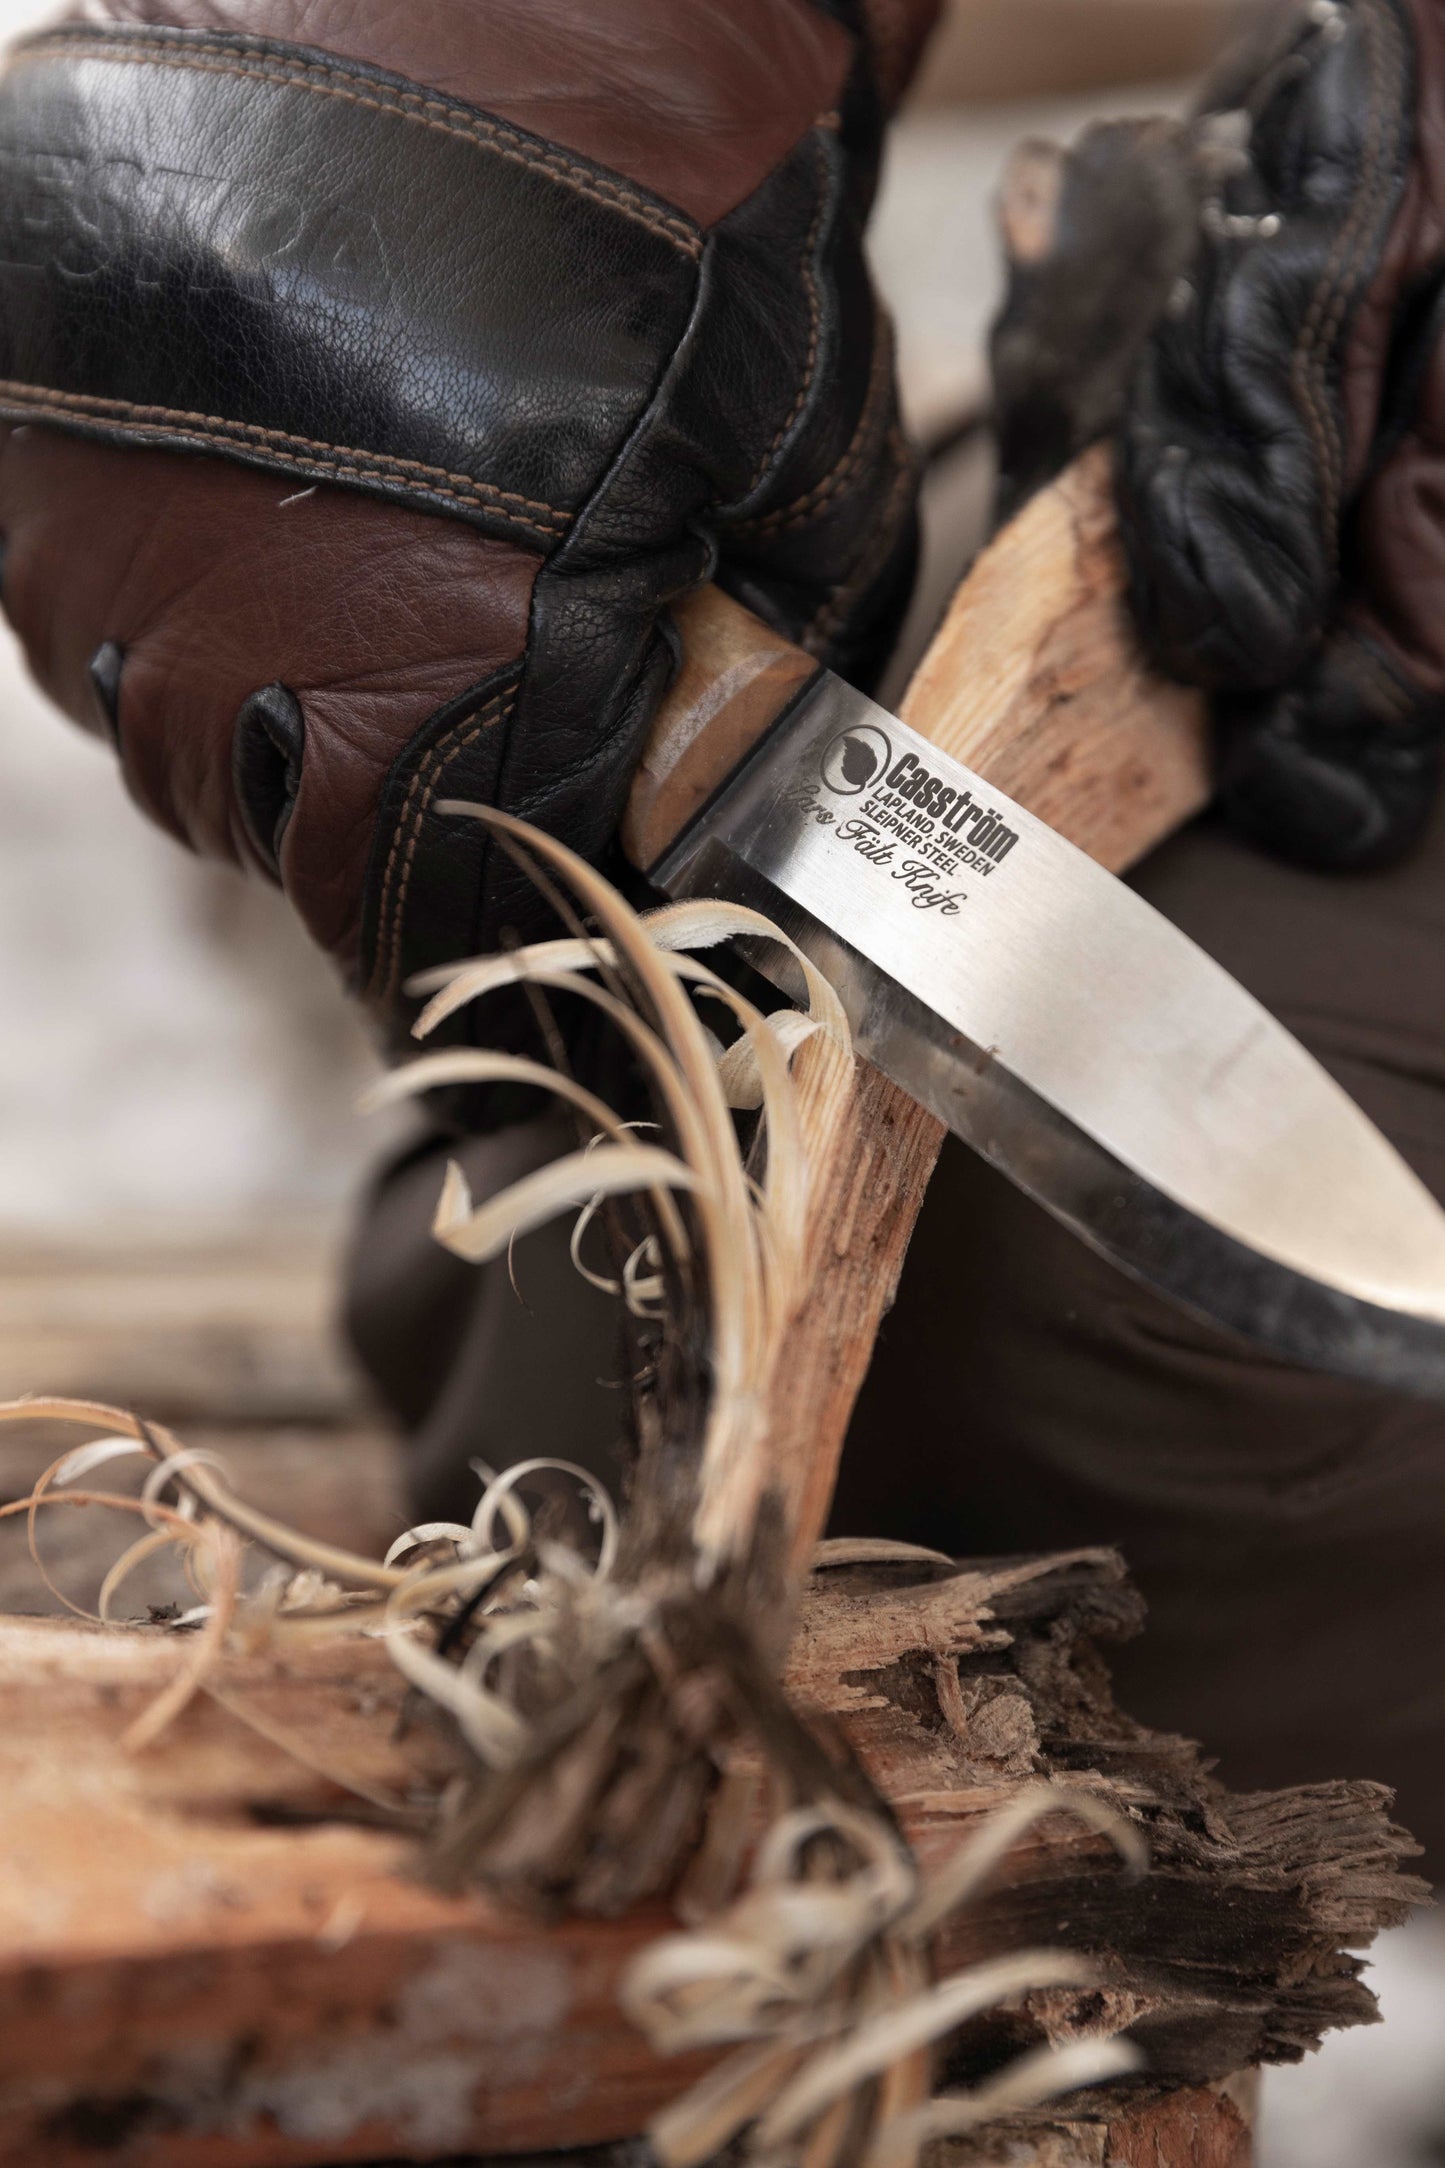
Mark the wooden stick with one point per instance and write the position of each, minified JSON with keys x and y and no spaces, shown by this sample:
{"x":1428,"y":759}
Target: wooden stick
{"x":1034,"y":672}
{"x":1034,"y":679}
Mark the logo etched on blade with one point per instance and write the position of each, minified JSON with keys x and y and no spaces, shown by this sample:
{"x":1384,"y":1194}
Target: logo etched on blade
{"x":854,"y":758}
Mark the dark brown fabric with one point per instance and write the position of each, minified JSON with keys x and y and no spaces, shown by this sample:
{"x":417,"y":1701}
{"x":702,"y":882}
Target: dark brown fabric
{"x":498,"y":1363}
{"x":1396,"y":550}
{"x":1288,"y":1530}
{"x":696,"y":104}
{"x":213,"y":580}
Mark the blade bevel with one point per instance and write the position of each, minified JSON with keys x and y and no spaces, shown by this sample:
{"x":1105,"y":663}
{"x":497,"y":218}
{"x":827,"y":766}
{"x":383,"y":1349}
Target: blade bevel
{"x":1064,"y":1028}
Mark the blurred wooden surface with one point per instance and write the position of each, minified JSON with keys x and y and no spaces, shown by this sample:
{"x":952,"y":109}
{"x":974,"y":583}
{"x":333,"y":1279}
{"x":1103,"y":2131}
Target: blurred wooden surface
{"x":232,"y":1340}
{"x":343,"y":1483}
{"x":236,"y":1329}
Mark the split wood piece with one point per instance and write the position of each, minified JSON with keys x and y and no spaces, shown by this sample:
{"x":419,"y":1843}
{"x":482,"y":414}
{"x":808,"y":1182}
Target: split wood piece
{"x":1036,"y":681}
{"x":1205,"y":2126}
{"x":193,"y":1974}
{"x":1199,"y":2126}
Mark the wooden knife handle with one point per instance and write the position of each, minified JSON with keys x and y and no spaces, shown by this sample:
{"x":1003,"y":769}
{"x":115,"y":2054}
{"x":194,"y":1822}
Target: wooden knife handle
{"x":1034,"y":679}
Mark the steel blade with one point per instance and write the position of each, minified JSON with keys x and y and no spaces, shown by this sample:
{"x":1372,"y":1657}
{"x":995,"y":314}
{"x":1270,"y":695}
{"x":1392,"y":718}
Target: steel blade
{"x":1061,"y":1026}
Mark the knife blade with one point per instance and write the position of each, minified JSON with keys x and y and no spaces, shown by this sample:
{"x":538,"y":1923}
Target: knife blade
{"x":1057,"y":1022}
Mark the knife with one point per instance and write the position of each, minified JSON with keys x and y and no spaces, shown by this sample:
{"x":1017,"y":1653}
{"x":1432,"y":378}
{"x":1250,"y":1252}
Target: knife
{"x":1007,"y":979}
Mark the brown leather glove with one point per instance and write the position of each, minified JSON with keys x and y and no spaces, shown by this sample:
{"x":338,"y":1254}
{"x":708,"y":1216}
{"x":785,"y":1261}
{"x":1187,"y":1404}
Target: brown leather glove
{"x":372,"y":378}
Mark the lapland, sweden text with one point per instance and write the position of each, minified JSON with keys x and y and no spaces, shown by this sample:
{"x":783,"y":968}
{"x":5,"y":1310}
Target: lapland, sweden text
{"x":955,"y":810}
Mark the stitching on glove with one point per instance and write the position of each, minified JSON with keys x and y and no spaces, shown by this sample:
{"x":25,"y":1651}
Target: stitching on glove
{"x":544,"y":521}
{"x":420,"y":793}
{"x":326,"y":79}
{"x":1337,"y":281}
{"x":882,"y":535}
{"x":815,"y":310}
{"x":876,"y":404}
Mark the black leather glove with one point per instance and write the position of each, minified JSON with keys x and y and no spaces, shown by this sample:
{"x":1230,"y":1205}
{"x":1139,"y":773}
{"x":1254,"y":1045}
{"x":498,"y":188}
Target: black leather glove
{"x":373,"y":376}
{"x":1283,"y":450}
{"x":1250,"y":304}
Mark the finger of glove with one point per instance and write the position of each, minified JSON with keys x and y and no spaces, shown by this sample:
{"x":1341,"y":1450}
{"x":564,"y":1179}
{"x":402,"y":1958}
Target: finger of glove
{"x":1341,"y":769}
{"x":816,"y":527}
{"x":1237,"y":452}
{"x":204,"y":584}
{"x":832,"y":563}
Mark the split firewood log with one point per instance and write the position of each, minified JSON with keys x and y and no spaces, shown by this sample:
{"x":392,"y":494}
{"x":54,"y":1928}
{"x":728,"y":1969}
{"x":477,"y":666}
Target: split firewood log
{"x":212,"y":1955}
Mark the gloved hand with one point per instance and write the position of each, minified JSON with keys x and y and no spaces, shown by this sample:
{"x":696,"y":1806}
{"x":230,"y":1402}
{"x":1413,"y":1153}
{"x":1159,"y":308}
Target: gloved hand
{"x":375,"y":375}
{"x":1283,"y":452}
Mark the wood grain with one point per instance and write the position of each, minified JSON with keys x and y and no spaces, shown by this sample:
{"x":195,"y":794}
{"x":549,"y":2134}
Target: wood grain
{"x":872,"y":1150}
{"x":187,"y":1983}
{"x":1035,"y":680}
{"x":238,"y":1331}
{"x":735,"y":679}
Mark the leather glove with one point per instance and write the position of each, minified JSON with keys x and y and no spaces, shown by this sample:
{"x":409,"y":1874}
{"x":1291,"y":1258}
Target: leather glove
{"x":374,"y":376}
{"x":1283,"y":451}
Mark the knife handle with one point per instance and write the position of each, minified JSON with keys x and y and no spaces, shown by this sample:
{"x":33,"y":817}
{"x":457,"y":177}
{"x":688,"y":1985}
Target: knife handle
{"x":1034,"y":679}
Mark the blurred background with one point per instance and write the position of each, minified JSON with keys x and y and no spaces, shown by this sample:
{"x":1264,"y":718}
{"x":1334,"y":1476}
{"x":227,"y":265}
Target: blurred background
{"x":179,"y":1136}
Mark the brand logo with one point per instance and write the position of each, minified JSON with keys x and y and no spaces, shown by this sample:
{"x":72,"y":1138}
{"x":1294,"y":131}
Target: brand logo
{"x":957,"y":811}
{"x":854,"y":759}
